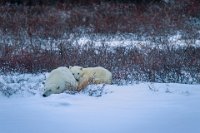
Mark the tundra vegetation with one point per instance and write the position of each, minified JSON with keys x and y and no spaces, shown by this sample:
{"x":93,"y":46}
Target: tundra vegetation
{"x":164,"y":37}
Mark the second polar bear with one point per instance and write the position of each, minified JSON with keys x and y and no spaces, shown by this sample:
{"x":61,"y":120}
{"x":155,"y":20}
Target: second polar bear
{"x":94,"y":75}
{"x":59,"y":80}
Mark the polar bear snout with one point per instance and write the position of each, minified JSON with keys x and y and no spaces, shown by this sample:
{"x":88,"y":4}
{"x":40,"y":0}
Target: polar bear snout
{"x":44,"y":95}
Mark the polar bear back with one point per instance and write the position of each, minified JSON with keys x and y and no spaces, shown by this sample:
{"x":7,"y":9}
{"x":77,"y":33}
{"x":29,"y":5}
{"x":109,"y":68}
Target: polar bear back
{"x":60,"y":76}
{"x":99,"y":74}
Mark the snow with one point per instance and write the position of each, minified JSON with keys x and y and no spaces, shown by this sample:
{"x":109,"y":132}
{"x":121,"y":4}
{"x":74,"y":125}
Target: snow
{"x":139,"y":108}
{"x":177,"y":40}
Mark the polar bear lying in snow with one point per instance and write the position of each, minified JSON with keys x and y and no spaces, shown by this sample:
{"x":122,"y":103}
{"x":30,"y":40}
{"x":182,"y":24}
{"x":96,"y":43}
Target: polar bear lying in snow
{"x":93,"y":75}
{"x":58,"y":81}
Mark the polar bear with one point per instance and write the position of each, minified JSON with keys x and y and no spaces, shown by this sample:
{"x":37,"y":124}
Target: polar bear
{"x":93,"y":75}
{"x":59,"y":80}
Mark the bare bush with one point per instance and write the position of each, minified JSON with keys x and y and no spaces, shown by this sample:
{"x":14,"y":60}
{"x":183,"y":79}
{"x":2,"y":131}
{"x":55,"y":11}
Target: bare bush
{"x":28,"y":34}
{"x":126,"y":63}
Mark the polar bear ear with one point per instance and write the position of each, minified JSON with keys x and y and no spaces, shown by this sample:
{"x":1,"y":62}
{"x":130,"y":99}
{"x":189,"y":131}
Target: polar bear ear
{"x":81,"y":68}
{"x":70,"y":67}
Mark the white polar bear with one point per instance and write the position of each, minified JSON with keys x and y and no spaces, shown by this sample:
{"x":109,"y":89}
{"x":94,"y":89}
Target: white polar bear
{"x":59,"y":80}
{"x":93,"y":75}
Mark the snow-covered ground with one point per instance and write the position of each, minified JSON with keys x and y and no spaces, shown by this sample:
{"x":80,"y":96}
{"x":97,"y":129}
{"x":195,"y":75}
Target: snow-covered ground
{"x":129,"y":40}
{"x":134,"y":108}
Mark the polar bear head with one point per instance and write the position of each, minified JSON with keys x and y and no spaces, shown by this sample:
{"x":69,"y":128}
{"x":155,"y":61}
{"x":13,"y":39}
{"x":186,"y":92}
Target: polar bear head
{"x":77,"y":72}
{"x":52,"y":90}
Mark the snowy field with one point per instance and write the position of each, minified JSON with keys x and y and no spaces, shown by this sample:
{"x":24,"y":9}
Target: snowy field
{"x":134,"y":108}
{"x":129,"y":40}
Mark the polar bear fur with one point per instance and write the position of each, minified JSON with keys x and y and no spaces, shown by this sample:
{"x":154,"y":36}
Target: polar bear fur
{"x":59,"y":80}
{"x":93,"y":75}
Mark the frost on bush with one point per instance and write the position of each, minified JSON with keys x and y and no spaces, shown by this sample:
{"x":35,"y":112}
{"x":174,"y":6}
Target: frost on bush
{"x":93,"y":90}
{"x":6,"y":90}
{"x":96,"y":90}
{"x":21,"y":84}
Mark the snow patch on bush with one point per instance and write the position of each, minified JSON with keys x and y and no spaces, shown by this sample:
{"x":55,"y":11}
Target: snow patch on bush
{"x":21,"y":84}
